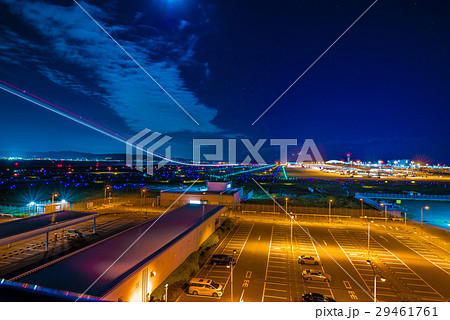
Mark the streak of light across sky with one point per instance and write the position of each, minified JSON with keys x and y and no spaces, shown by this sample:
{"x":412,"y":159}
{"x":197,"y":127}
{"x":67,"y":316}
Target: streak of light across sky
{"x":85,"y":122}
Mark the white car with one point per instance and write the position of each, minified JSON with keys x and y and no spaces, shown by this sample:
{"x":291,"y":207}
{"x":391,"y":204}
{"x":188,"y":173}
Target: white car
{"x":308,"y":260}
{"x":74,"y":233}
{"x":205,"y":287}
{"x":316,"y":275}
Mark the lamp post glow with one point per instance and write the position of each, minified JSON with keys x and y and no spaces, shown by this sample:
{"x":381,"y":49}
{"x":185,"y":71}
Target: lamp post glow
{"x":53,"y":197}
{"x":405,"y":219}
{"x":421,"y":215}
{"x":106,"y":189}
{"x":368,"y":235}
{"x":274,"y":196}
{"x":362,"y":207}
{"x":30,"y":205}
{"x":286,"y":204}
{"x":385,"y":212}
{"x":329,"y":210}
{"x":231,"y":270}
{"x":375,"y":281}
{"x":143,"y":199}
{"x":167,"y":289}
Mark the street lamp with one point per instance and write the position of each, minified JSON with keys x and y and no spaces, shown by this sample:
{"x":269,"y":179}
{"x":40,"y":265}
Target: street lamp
{"x":368,"y":235}
{"x":274,"y":196}
{"x":53,"y":197}
{"x":292,"y":243}
{"x":167,"y":289}
{"x":286,"y":204}
{"x":385,"y":211}
{"x":375,"y":281}
{"x":31,"y":204}
{"x":106,"y":188}
{"x":231,"y":270}
{"x":362,"y":207}
{"x":329,"y":210}
{"x":421,"y":215}
{"x":405,"y":219}
{"x":143,"y":198}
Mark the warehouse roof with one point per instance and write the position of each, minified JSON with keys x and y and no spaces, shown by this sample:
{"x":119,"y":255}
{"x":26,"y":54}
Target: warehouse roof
{"x":21,"y":229}
{"x":131,"y":248}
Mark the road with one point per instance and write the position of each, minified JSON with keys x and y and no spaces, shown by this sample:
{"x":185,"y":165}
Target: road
{"x":267,"y":269}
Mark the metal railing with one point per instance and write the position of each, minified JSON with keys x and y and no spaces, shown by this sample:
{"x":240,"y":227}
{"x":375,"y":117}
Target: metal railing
{"x":403,"y":196}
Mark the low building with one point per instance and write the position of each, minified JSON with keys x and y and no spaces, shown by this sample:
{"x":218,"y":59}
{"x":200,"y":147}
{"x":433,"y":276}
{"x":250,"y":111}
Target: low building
{"x":130,"y":265}
{"x":215,"y":193}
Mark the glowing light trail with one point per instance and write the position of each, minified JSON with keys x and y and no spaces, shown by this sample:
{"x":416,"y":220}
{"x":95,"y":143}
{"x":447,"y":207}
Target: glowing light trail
{"x":87,"y":123}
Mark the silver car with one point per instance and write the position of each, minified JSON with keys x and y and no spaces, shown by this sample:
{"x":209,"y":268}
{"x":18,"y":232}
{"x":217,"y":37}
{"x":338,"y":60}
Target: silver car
{"x":316,"y":275}
{"x":308,"y":260}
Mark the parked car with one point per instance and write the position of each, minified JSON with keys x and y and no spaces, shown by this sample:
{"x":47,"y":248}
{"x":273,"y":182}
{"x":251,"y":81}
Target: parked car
{"x":315,"y":275}
{"x":316,"y":297}
{"x":73,"y":233}
{"x":222,"y":259}
{"x":205,"y":287}
{"x":308,"y":260}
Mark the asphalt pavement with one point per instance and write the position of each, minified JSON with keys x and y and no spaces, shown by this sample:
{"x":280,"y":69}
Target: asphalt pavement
{"x":267,"y":269}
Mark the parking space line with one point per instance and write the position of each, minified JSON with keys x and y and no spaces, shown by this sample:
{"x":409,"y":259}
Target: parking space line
{"x":273,"y":297}
{"x":271,"y":289}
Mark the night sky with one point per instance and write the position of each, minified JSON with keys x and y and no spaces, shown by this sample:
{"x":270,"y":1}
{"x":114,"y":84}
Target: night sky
{"x":381,"y":92}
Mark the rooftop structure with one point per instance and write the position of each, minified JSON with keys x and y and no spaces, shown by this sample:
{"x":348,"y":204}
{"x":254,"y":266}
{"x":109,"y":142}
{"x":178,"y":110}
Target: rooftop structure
{"x":21,"y":229}
{"x":128,"y":253}
{"x":216,"y":193}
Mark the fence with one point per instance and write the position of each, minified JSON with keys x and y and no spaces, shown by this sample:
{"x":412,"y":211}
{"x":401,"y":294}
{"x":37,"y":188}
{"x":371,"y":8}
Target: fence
{"x":15,"y":211}
{"x":282,"y":217}
{"x":404,"y":196}
{"x":96,"y":203}
{"x":267,"y":209}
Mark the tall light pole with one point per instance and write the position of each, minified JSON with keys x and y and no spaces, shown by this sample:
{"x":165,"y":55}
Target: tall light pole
{"x":329,"y":210}
{"x":292,"y":242}
{"x":106,"y":189}
{"x":31,"y":205}
{"x":286,"y":204}
{"x":368,"y":236}
{"x":362,"y":207}
{"x":142,"y":198}
{"x":231,"y":270}
{"x":375,"y":281}
{"x":274,"y":196}
{"x":405,"y":219}
{"x":385,"y":211}
{"x":53,"y":196}
{"x":421,"y":215}
{"x":167,"y":289}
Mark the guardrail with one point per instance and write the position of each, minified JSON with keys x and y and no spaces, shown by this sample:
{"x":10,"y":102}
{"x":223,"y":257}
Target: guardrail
{"x":403,"y":196}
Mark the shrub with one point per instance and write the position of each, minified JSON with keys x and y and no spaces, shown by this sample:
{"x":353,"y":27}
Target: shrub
{"x":210,"y":242}
{"x":179,"y":278}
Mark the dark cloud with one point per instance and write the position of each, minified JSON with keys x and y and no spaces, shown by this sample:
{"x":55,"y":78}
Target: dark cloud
{"x":77,"y":54}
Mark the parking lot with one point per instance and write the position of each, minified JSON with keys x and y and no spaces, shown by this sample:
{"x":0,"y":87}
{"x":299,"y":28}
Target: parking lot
{"x":267,"y":267}
{"x":277,"y":282}
{"x":358,"y":258}
{"x":236,"y":240}
{"x":305,"y":246}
